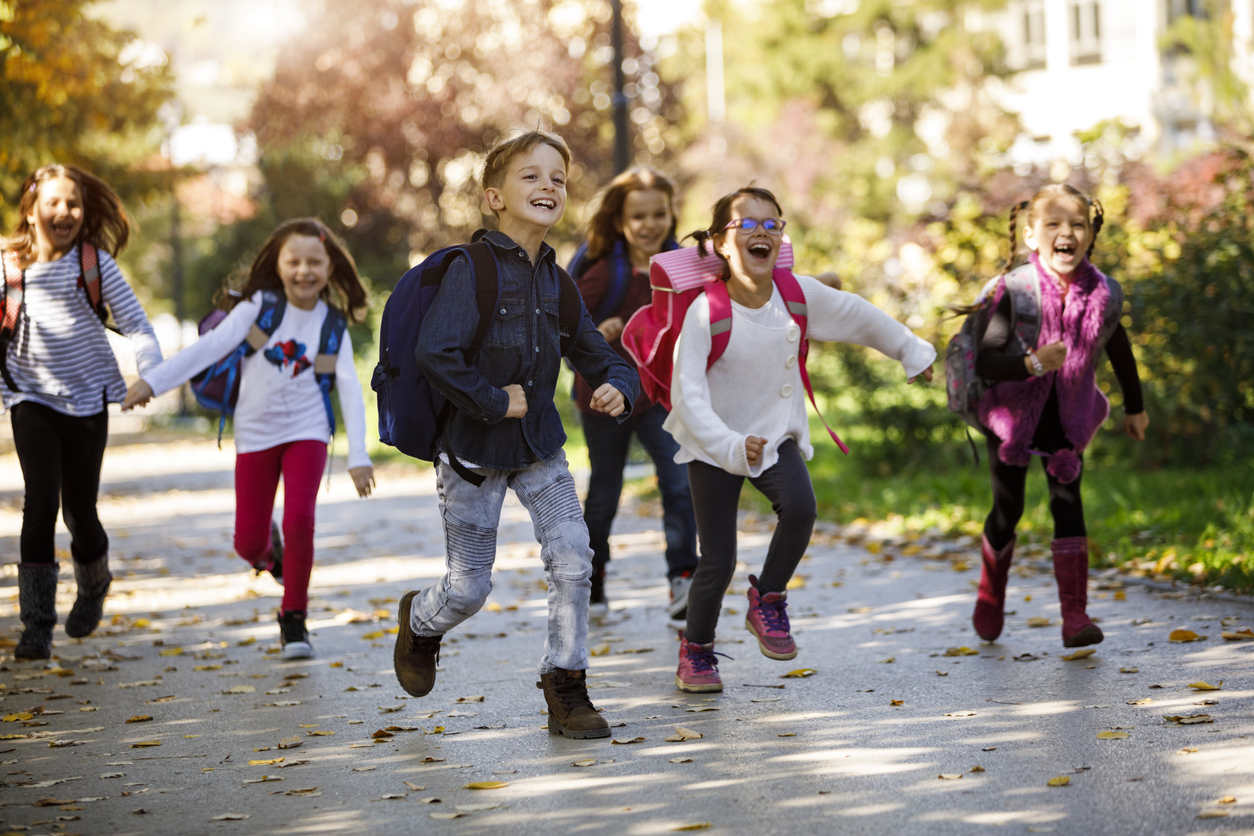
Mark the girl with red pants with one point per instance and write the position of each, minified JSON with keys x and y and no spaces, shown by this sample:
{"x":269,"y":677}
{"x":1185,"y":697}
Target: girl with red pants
{"x":281,"y":422}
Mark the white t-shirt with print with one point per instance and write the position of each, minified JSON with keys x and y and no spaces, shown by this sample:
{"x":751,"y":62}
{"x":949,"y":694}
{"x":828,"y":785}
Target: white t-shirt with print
{"x":279,"y":400}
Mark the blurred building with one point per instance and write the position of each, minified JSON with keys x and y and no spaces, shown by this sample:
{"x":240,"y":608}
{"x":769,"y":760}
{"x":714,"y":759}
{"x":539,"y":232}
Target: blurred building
{"x":1082,"y":62}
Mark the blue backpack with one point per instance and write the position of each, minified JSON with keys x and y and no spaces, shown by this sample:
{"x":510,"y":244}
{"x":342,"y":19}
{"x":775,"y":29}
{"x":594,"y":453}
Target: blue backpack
{"x":412,"y":413}
{"x":217,"y":387}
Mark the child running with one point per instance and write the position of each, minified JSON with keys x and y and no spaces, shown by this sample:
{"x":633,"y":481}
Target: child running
{"x":282,"y":421}
{"x":504,"y":431}
{"x":745,"y":417}
{"x":59,"y":376}
{"x":1046,"y":403}
{"x":634,"y":221}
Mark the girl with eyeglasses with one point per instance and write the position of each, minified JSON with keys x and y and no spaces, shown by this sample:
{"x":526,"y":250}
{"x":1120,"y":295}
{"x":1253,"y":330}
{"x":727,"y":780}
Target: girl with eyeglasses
{"x":745,"y":418}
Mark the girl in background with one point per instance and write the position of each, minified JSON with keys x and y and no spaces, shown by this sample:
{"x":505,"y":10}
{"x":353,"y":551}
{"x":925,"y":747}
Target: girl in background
{"x":59,"y":376}
{"x":281,"y":422}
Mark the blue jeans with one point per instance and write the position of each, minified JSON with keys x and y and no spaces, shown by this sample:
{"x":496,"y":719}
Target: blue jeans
{"x":608,"y":444}
{"x":471,"y":516}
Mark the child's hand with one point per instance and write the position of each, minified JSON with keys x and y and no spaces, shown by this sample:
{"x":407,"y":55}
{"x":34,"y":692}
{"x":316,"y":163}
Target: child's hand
{"x":926,"y":374}
{"x":363,"y":479}
{"x":609,"y":400}
{"x":612,"y":328}
{"x":517,"y":401}
{"x":1052,"y":356}
{"x":753,"y":449}
{"x":1134,"y":425}
{"x":139,"y":394}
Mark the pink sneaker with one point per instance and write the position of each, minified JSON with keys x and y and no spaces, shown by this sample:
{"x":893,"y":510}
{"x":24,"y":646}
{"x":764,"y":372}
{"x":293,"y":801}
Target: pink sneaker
{"x":698,"y":669}
{"x":768,"y":620}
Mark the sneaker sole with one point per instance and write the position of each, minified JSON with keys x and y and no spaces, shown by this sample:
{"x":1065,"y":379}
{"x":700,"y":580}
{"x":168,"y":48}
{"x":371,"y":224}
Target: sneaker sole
{"x":402,"y":620}
{"x":297,"y":650}
{"x":698,"y":689}
{"x":767,"y":652}
{"x":587,"y":734}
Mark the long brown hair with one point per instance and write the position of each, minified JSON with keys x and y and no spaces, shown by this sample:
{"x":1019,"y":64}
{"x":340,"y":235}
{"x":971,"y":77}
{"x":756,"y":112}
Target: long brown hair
{"x":606,"y":225}
{"x":344,"y":289}
{"x":105,"y":220}
{"x":722,"y":217}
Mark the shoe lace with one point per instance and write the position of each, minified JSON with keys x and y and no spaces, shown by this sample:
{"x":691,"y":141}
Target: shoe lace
{"x":775,"y":615}
{"x":293,"y":627}
{"x":703,"y":661}
{"x":573,"y":692}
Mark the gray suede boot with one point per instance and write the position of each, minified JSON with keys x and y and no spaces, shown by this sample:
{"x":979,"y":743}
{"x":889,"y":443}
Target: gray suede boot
{"x":37,"y":600}
{"x":93,"y":584}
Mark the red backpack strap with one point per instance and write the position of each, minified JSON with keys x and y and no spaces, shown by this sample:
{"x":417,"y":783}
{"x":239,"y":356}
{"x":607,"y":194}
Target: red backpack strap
{"x":89,"y":278}
{"x":790,"y":291}
{"x":14,"y":288}
{"x":720,"y":319}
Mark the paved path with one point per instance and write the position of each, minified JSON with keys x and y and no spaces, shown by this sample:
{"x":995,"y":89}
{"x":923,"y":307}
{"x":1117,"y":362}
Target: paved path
{"x":856,"y":747}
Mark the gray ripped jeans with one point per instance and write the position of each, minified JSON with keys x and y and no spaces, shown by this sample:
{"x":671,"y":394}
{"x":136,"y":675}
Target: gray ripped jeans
{"x":471,"y":516}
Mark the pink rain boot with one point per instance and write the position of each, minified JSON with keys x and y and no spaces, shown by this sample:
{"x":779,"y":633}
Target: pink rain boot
{"x":990,"y":602}
{"x":1071,"y":570}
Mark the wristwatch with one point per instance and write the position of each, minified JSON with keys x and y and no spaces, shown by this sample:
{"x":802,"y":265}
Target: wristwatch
{"x":1037,"y":368}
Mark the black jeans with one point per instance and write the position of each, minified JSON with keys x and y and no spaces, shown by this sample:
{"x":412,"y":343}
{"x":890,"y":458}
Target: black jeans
{"x":608,"y":444}
{"x":60,"y":457}
{"x":1009,"y":489}
{"x":716,"y":499}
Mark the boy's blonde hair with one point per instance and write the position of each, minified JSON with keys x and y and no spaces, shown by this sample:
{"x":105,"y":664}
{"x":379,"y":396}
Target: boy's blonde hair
{"x":510,"y":145}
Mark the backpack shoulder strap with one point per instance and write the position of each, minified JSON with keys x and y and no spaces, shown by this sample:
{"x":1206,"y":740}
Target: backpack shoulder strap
{"x":1024,"y":287}
{"x":487,"y":287}
{"x":89,"y":278}
{"x":329,"y":342}
{"x":569,"y":308}
{"x":273,"y":304}
{"x":720,"y":319}
{"x":620,"y":276}
{"x":14,"y":292}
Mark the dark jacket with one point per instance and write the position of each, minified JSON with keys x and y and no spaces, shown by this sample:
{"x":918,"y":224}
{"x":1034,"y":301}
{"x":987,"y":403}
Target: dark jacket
{"x":521,"y":346}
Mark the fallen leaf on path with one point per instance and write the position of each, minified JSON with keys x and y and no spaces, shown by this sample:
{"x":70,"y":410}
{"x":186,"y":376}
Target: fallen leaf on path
{"x":1206,"y":686}
{"x":705,"y":825}
{"x":431,"y":760}
{"x":1060,"y":781}
{"x":319,"y":733}
{"x":140,"y":718}
{"x":1227,"y":799}
{"x":269,"y":762}
{"x":896,"y":702}
{"x":414,"y":787}
{"x":888,"y":661}
{"x":1212,"y":814}
{"x":961,"y":714}
{"x":1038,"y":621}
{"x":976,"y":769}
{"x":1129,"y":670}
{"x":766,"y":699}
{"x":942,"y":673}
{"x":392,"y":796}
{"x":787,"y":734}
{"x":453,"y":815}
{"x":1181,"y":636}
{"x":799,"y":673}
{"x":1187,"y":750}
{"x":682,"y":733}
{"x":307,"y":792}
{"x":364,"y":768}
{"x":699,"y":708}
{"x":264,"y":779}
{"x":961,"y":651}
{"x":585,"y":762}
{"x":1187,"y":719}
{"x":376,"y":634}
{"x":456,"y":713}
{"x":290,"y":742}
{"x":1142,"y":701}
{"x":144,"y":744}
{"x":1111,"y":735}
{"x":1082,"y":653}
{"x":949,"y":776}
{"x":601,"y":649}
{"x":681,"y":760}
{"x":478,"y":698}
{"x":13,"y":718}
{"x":626,"y":742}
{"x":1238,"y":635}
{"x":240,"y":689}
{"x":230,"y":817}
{"x":488,"y":785}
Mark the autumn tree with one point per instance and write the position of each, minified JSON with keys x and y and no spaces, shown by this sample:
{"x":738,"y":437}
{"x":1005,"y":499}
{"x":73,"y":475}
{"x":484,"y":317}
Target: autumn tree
{"x":74,"y":90}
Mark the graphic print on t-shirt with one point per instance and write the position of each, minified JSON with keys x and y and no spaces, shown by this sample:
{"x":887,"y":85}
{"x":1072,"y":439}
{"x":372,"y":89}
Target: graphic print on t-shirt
{"x":288,"y":353}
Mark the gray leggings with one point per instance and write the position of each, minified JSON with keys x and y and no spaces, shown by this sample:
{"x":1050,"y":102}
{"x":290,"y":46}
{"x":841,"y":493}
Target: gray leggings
{"x":715,"y":500}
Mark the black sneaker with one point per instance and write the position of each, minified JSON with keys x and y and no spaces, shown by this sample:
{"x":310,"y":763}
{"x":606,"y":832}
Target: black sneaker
{"x":276,"y":554}
{"x":293,"y":637}
{"x":415,"y":657}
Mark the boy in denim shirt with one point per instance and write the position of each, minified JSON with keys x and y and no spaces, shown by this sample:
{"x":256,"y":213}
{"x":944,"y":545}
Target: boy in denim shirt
{"x":505,"y":428}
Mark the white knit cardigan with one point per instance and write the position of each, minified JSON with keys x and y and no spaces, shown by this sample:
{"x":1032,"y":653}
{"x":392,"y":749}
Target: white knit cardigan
{"x":755,"y":387}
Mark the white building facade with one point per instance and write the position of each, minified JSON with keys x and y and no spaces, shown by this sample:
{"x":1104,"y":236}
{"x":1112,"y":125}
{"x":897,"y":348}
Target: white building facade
{"x":1082,"y":62}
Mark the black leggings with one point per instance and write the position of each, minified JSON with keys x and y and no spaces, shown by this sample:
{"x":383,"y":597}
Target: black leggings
{"x":715,"y":500}
{"x":1009,"y":486}
{"x":60,"y":457}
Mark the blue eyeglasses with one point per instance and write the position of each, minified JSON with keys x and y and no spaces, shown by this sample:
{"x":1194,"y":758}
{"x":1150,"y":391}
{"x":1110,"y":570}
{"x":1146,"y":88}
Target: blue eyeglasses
{"x":771,"y":226}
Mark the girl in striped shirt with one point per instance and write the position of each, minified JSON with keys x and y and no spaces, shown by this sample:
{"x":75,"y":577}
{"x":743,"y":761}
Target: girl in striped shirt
{"x":58,"y":377}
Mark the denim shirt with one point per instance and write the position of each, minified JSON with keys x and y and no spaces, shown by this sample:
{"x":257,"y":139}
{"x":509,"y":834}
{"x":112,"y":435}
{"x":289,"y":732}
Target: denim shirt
{"x":521,"y":346}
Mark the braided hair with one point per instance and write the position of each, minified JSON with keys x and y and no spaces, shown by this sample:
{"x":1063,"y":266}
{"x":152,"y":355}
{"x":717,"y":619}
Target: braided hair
{"x":1096,"y":211}
{"x":722,"y":217}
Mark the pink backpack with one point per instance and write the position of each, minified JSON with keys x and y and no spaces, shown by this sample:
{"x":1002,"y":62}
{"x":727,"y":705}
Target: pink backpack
{"x":678,"y":277}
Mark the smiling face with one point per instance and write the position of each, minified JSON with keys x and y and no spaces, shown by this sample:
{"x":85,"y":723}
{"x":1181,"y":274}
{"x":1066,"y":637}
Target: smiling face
{"x":645,"y":222}
{"x":304,"y":267}
{"x":56,"y":217}
{"x":1059,"y":231}
{"x":751,"y":255}
{"x":532,"y":193}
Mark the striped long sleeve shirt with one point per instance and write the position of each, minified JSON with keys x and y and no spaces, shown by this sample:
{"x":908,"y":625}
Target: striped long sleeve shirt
{"x":59,"y":355}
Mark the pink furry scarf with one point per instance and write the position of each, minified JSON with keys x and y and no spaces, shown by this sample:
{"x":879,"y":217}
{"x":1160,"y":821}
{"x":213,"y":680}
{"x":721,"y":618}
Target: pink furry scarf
{"x":1012,"y":409}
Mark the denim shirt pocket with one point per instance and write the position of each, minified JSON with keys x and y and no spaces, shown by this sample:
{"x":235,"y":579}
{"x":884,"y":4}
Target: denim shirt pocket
{"x":552,"y":321}
{"x":508,"y":328}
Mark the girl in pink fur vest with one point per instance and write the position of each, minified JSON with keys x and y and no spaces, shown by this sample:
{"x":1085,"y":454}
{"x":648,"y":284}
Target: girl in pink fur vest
{"x":1046,"y":404}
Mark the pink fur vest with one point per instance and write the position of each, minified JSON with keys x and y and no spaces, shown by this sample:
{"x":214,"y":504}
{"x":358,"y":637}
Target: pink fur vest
{"x":1012,"y":409}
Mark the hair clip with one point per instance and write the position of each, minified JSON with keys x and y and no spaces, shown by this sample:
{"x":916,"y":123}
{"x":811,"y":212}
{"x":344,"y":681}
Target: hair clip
{"x":33,"y":186}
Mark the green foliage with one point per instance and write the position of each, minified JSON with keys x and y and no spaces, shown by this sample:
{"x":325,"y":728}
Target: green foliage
{"x":67,"y":97}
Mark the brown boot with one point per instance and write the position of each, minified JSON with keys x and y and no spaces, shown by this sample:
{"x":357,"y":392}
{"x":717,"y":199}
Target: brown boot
{"x":571,"y":713}
{"x":414,"y":658}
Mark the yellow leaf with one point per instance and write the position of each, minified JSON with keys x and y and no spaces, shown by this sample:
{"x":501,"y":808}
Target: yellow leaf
{"x":270,"y":762}
{"x":949,"y":777}
{"x":1129,"y":670}
{"x":976,"y":769}
{"x":207,"y":668}
{"x":486,"y":785}
{"x":896,"y":702}
{"x":888,"y":661}
{"x":493,"y":607}
{"x":626,"y":742}
{"x":173,"y":651}
{"x":1188,"y":719}
{"x":1060,"y":781}
{"x":961,"y":651}
{"x":799,"y":673}
{"x":246,"y":642}
{"x":602,"y":649}
{"x":1111,"y":735}
{"x":337,"y":664}
{"x":1238,"y":635}
{"x":144,"y":744}
{"x":1212,"y":814}
{"x":13,"y":718}
{"x":705,"y":825}
{"x":1082,"y":653}
{"x":1120,"y":595}
{"x":1027,"y":598}
{"x":371,"y":636}
{"x":1227,"y":799}
{"x":240,"y":689}
{"x":139,"y":718}
{"x":1038,"y":621}
{"x":1206,"y":686}
{"x":682,"y":733}
{"x":796,"y":582}
{"x":1181,"y":636}
{"x":141,"y":623}
{"x":320,"y":733}
{"x":290,"y":742}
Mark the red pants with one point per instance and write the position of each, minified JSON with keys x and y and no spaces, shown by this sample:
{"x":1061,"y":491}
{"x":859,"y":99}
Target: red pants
{"x":256,"y":482}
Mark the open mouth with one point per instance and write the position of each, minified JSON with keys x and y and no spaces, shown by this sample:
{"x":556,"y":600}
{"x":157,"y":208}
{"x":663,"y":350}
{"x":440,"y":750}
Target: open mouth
{"x":544,"y":203}
{"x":1065,"y":251}
{"x":759,"y":250}
{"x":63,"y":227}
